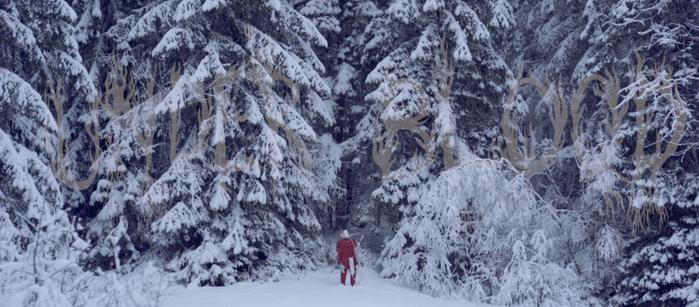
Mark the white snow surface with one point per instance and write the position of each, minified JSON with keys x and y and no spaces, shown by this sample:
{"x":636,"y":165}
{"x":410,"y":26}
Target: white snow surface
{"x":320,"y":288}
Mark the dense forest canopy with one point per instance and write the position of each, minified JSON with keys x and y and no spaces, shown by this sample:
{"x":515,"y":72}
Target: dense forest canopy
{"x":515,"y":152}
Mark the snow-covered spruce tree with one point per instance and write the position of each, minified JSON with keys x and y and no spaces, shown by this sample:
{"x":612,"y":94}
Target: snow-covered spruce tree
{"x":439,"y":80}
{"x":450,"y":240}
{"x":662,"y":267}
{"x":123,"y":171}
{"x":618,"y":182}
{"x":437,"y":57}
{"x":587,"y":41}
{"x":567,"y":42}
{"x":553,"y":46}
{"x":233,"y":101}
{"x":341,"y":22}
{"x":42,"y":50}
{"x":661,"y":86}
{"x":40,"y":248}
{"x":640,"y":44}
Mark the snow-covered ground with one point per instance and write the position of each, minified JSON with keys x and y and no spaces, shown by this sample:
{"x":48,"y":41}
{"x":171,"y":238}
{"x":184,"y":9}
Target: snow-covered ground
{"x":320,"y":288}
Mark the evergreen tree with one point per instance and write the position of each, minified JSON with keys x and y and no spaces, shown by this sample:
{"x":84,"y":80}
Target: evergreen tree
{"x":236,"y":116}
{"x":40,"y":247}
{"x":661,"y":268}
{"x":422,"y":57}
{"x":39,"y":244}
{"x":566,"y":43}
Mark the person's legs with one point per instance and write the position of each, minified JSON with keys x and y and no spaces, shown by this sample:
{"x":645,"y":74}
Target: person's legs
{"x":353,"y":270}
{"x":343,"y":276}
{"x":352,"y":266}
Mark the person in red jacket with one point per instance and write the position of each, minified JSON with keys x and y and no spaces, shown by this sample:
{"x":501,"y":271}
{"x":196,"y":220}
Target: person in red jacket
{"x":347,"y":257}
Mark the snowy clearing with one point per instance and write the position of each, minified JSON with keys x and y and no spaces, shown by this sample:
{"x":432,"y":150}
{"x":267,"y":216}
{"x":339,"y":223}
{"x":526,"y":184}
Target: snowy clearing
{"x":320,"y":288}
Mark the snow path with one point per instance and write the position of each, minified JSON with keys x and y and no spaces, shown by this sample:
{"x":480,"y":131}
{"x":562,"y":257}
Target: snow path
{"x":313,"y":289}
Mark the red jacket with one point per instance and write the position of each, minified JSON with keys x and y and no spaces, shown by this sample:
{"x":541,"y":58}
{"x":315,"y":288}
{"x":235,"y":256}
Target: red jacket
{"x":345,"y":250}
